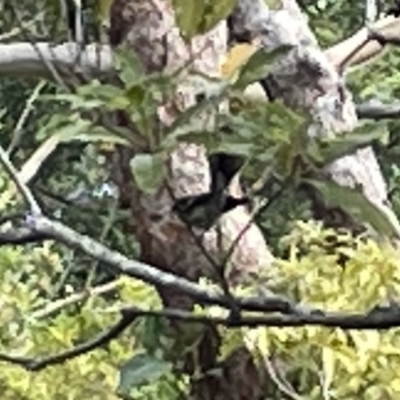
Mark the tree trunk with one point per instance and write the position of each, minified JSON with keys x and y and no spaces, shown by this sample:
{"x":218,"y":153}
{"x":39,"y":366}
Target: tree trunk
{"x":149,"y":28}
{"x":304,"y":80}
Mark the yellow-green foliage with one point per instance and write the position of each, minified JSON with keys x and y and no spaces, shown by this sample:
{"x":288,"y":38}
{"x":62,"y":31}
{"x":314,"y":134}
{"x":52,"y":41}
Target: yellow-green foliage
{"x":323,"y":268}
{"x":336,"y":272}
{"x":28,"y":328}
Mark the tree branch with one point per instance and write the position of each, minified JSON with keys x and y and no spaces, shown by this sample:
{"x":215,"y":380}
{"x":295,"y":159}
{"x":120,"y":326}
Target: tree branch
{"x":37,"y":364}
{"x":377,"y":318}
{"x":22,"y":60}
{"x":23,"y":189}
{"x":136,"y":269}
{"x":19,"y":236}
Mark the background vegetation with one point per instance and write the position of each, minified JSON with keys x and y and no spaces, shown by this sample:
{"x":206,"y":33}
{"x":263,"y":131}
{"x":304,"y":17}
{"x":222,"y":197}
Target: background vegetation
{"x":317,"y":266}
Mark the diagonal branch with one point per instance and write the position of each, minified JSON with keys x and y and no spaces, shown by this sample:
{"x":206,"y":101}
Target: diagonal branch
{"x":136,"y":269}
{"x":23,"y":189}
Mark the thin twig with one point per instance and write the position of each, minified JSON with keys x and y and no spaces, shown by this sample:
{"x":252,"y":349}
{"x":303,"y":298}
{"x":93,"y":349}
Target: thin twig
{"x":34,"y":364}
{"x":17,"y":134}
{"x":74,"y":298}
{"x":23,"y":189}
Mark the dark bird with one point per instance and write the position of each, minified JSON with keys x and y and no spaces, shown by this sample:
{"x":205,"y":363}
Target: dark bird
{"x":204,"y":210}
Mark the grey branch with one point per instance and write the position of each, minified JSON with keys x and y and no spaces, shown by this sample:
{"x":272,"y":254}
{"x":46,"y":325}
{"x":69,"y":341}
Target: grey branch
{"x":136,"y":269}
{"x":377,"y":318}
{"x":22,"y":60}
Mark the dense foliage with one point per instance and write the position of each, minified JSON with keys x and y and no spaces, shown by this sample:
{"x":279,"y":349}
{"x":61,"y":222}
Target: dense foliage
{"x":42,"y":314}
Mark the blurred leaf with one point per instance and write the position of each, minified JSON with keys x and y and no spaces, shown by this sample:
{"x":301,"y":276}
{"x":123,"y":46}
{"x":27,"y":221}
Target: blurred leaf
{"x":259,"y":66}
{"x":148,"y":171}
{"x":328,"y":365}
{"x":354,"y":203}
{"x":140,"y":369}
{"x":326,"y":151}
{"x":195,"y":17}
{"x":189,"y":14}
{"x":128,"y":65}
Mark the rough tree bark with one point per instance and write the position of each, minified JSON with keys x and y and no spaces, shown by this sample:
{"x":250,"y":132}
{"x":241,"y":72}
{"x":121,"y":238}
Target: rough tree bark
{"x":304,"y":80}
{"x":149,"y":28}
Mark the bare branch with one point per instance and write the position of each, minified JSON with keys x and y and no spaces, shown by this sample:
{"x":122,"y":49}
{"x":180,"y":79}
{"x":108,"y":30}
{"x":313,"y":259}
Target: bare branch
{"x":136,"y":269}
{"x":22,"y":60}
{"x":377,"y":318}
{"x":378,"y":111}
{"x":19,"y":236}
{"x":74,"y":298}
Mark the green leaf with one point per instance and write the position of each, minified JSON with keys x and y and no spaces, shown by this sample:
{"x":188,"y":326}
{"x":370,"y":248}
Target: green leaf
{"x":75,"y":128}
{"x":76,"y":101}
{"x":240,"y":149}
{"x":140,"y":369}
{"x":215,"y":11}
{"x":128,"y":65}
{"x":196,"y":17}
{"x":96,"y":134}
{"x":355,"y":204}
{"x":189,"y":14}
{"x":323,"y":152}
{"x":148,"y":171}
{"x":99,"y":90}
{"x":259,"y":66}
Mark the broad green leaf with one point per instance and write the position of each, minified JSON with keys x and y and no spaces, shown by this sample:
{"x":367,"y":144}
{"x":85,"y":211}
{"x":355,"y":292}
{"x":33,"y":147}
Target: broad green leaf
{"x":74,"y":128}
{"x":189,"y":14}
{"x":205,"y":138}
{"x":139,"y":370}
{"x":196,"y":17}
{"x":128,"y":65}
{"x":259,"y":66}
{"x":356,"y":205}
{"x":148,"y":171}
{"x":99,"y":91}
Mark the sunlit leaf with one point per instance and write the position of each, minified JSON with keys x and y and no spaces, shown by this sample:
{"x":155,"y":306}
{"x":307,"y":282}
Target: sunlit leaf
{"x":148,"y":171}
{"x":189,"y":14}
{"x":128,"y":65}
{"x":328,"y":365}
